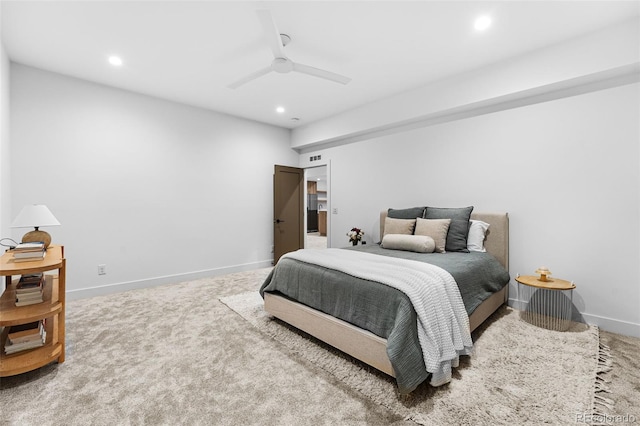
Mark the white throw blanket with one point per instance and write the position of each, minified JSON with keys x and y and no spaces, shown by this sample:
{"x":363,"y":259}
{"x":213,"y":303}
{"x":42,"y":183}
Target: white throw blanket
{"x":443,"y":323}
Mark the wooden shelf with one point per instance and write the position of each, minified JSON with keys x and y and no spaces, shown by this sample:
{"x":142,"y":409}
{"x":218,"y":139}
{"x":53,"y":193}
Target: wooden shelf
{"x":53,"y":260}
{"x":10,"y":314}
{"x":52,"y":308}
{"x":30,"y":359}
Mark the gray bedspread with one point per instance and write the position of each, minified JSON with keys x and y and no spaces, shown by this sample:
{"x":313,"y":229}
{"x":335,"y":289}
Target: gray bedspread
{"x":383,"y":310}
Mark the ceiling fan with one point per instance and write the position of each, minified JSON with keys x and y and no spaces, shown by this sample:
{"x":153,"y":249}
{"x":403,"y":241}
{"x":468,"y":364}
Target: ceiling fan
{"x":281,"y":63}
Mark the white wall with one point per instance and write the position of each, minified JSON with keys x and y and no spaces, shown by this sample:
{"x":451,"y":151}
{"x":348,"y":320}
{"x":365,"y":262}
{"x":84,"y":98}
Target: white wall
{"x":566,"y":171}
{"x":5,"y":184}
{"x":550,"y":136}
{"x":592,"y":58}
{"x":157,"y":191}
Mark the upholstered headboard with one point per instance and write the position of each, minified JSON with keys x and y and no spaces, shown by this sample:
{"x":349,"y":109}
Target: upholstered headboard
{"x":497,"y":240}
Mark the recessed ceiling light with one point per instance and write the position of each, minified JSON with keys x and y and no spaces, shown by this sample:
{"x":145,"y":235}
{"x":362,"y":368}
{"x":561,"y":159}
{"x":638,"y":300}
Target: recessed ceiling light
{"x":280,"y":110}
{"x":482,"y":23}
{"x":115,"y":61}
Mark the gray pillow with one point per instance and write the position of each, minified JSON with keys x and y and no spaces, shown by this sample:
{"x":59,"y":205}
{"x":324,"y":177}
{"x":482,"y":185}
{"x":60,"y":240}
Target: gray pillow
{"x":410,"y":213}
{"x":459,"y":227}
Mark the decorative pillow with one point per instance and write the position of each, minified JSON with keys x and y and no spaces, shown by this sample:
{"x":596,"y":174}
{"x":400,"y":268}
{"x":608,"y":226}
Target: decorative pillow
{"x":417,"y":243}
{"x":477,"y":235}
{"x":436,"y":229}
{"x":459,"y":228}
{"x":410,"y":213}
{"x":399,"y":226}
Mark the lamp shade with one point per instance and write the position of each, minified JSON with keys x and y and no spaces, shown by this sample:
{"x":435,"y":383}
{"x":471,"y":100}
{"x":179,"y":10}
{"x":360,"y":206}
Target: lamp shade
{"x":34,"y":216}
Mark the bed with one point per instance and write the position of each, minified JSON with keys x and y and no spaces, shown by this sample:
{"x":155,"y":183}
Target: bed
{"x":302,"y":295}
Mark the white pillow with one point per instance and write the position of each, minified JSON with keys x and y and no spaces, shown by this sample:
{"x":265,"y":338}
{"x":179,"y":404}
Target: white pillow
{"x":477,"y":235}
{"x":417,"y":243}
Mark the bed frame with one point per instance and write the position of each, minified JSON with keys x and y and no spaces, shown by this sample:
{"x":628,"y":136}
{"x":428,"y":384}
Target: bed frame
{"x":366,"y":346}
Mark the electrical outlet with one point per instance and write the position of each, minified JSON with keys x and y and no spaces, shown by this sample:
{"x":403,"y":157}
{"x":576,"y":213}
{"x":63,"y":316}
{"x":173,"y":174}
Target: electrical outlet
{"x":334,"y":210}
{"x":102,"y":269}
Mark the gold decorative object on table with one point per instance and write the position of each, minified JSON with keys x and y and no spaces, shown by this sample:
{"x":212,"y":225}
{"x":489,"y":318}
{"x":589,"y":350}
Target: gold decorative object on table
{"x":544,"y":272}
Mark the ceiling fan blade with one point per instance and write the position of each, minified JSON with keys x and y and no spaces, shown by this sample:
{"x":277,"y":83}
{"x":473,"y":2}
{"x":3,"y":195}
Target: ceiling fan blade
{"x":250,"y":77}
{"x":316,"y":72}
{"x":271,"y":33}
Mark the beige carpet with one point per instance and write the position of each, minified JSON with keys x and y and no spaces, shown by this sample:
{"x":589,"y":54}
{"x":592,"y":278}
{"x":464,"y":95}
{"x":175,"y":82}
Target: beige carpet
{"x":316,"y":241}
{"x":175,"y":355}
{"x":519,"y":374}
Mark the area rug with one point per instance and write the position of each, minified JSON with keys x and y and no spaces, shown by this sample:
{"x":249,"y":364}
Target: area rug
{"x":518,"y":374}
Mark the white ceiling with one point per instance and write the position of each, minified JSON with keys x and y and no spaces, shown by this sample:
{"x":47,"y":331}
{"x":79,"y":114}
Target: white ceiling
{"x":189,"y":51}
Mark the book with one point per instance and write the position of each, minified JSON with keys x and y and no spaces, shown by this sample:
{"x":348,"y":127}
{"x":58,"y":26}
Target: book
{"x":24,"y":339}
{"x":29,"y":296}
{"x":31,"y":277}
{"x":25,"y":336}
{"x":24,"y":247}
{"x":25,"y":252}
{"x":29,"y":289}
{"x":28,"y":302}
{"x":28,"y":254}
{"x":37,"y":288}
{"x":31,"y":283}
{"x":38,"y":297}
{"x":26,"y":326}
{"x":29,"y":259}
{"x":11,"y":349}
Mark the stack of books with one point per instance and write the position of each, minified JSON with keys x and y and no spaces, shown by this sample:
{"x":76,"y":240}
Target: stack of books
{"x":25,"y":336}
{"x":28,"y":252}
{"x":29,"y":289}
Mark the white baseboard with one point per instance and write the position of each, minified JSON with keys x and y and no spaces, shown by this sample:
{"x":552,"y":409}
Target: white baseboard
{"x":613,"y":325}
{"x":609,"y":324}
{"x":516,"y":304}
{"x":605,"y":323}
{"x":167,"y":279}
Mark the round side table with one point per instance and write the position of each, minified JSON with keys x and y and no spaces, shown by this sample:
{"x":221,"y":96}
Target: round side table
{"x":548,"y":304}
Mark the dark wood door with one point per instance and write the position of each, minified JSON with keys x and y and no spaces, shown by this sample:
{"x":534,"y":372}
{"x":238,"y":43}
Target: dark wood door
{"x":288,"y":214}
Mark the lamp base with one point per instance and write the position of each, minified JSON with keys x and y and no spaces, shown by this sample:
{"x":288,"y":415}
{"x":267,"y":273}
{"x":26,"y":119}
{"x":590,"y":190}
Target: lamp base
{"x":37,"y":236}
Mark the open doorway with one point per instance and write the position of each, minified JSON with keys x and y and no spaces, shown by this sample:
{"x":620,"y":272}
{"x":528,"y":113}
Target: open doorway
{"x":316,"y":207}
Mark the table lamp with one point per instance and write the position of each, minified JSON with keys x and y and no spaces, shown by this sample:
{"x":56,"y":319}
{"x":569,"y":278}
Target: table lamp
{"x":35,"y":215}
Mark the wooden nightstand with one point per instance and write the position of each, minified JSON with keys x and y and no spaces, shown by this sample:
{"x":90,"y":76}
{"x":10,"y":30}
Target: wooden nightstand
{"x":548,"y":304}
{"x":52,"y":309}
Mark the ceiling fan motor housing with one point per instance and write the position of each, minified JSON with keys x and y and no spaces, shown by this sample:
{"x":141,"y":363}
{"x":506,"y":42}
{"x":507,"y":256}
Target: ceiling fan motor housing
{"x":282,"y":65}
